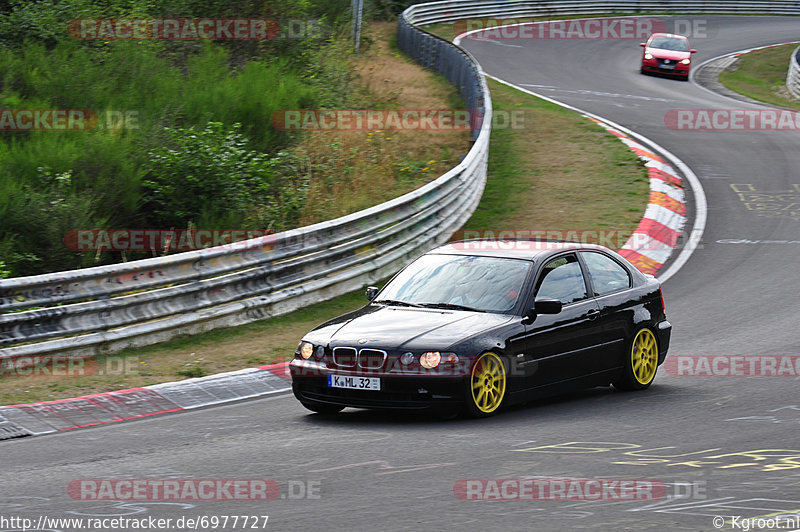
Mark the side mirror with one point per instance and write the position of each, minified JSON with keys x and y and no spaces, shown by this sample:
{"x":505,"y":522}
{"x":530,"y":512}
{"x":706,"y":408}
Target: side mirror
{"x":692,"y":51}
{"x":542,"y":305}
{"x":642,"y":44}
{"x":546,"y":305}
{"x":371,"y":292}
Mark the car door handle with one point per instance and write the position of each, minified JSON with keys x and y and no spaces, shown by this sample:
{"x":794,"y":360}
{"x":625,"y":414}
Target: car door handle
{"x":593,"y":314}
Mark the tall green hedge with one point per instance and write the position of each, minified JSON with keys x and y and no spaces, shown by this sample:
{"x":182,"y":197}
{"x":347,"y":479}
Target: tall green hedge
{"x":196,"y":147}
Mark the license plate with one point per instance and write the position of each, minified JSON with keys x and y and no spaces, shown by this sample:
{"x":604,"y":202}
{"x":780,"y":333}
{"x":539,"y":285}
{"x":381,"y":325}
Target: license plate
{"x":668,"y":67}
{"x":354,"y":383}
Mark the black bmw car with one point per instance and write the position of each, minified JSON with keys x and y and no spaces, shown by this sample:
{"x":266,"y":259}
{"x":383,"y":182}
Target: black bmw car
{"x":475,"y":325}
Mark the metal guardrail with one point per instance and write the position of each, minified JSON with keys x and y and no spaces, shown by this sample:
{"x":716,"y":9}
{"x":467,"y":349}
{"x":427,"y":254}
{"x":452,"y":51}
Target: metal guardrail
{"x":436,"y":12}
{"x":435,"y":53}
{"x":793,"y":76}
{"x":108,"y":308}
{"x":104,"y":309}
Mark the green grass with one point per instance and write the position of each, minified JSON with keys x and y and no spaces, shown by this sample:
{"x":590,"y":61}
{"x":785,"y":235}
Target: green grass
{"x":559,"y":171}
{"x":761,"y":75}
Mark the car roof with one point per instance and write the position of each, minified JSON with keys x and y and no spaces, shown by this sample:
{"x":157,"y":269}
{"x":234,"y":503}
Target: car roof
{"x":672,"y":35}
{"x":512,"y":248}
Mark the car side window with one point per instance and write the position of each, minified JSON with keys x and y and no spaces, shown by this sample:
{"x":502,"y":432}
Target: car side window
{"x":562,"y":279}
{"x":607,"y":274}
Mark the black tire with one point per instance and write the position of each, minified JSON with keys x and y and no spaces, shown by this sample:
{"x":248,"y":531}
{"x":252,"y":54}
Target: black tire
{"x":641,"y":361}
{"x":485,"y":389}
{"x":323,"y":408}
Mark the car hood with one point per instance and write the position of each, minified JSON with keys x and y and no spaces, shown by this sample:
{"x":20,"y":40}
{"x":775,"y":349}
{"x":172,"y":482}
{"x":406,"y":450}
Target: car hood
{"x":392,"y":328}
{"x":667,"y":54}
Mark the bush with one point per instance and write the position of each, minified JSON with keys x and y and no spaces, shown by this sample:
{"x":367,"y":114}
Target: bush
{"x":208,"y":176}
{"x":34,"y":219}
{"x":387,"y":9}
{"x":202,"y":149}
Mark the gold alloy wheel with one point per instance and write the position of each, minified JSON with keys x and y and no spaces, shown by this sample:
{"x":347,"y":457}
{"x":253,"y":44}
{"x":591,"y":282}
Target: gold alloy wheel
{"x":488,"y":383}
{"x":644,"y":356}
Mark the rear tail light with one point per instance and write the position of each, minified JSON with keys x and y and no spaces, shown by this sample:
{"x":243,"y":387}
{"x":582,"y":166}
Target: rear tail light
{"x":661,"y":296}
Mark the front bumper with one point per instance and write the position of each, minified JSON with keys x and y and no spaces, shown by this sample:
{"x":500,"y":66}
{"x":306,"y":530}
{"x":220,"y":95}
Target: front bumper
{"x":406,"y":391}
{"x":653,"y":66}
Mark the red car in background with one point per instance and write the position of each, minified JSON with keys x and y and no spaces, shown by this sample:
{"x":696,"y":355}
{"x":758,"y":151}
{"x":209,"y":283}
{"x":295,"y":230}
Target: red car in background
{"x":665,"y":53}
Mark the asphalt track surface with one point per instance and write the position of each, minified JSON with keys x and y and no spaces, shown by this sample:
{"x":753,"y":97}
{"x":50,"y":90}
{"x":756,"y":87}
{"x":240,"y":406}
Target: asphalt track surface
{"x":731,"y":443}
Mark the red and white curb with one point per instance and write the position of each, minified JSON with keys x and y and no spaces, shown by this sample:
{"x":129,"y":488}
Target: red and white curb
{"x":742,"y":52}
{"x":33,"y":419}
{"x":657,"y":235}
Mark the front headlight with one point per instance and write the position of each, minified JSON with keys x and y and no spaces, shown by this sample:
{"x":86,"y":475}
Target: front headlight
{"x":686,"y":61}
{"x":648,"y":56}
{"x":305,"y":349}
{"x":433,"y":359}
{"x":430,"y":359}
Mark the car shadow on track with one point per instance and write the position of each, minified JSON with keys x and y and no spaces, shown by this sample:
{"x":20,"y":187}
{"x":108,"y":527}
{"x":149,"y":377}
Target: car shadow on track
{"x":578,"y":405}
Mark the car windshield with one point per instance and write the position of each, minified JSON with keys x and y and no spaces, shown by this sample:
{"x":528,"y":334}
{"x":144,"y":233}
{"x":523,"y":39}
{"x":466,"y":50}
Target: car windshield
{"x":485,"y":284}
{"x":670,"y":43}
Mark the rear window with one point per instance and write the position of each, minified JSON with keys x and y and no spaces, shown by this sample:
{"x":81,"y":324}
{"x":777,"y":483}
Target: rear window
{"x":607,"y":274}
{"x":562,"y":279}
